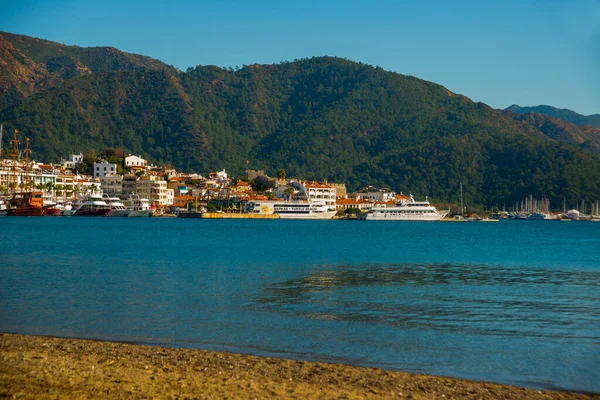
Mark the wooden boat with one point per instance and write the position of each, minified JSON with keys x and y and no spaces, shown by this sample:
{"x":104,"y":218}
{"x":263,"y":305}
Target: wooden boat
{"x":26,"y":204}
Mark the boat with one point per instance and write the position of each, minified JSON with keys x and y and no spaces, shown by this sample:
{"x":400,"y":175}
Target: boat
{"x":117,"y":208}
{"x":573,"y":215}
{"x":92,"y":206}
{"x":538,"y":216}
{"x":139,"y":207}
{"x":3,"y":208}
{"x":405,"y":210}
{"x":26,"y":204}
{"x":291,"y":209}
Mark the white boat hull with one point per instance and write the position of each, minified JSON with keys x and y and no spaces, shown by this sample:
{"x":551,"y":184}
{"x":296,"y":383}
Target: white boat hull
{"x":118,"y":213}
{"x":140,"y":213}
{"x":314,"y":215}
{"x":388,"y":216}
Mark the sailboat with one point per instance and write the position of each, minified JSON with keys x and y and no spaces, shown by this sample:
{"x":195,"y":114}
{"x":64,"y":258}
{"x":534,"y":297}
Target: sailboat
{"x":595,"y":217}
{"x":26,"y":203}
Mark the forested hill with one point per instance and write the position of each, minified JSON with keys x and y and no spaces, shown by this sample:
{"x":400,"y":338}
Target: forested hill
{"x":29,"y":65}
{"x":562,"y":113}
{"x":316,"y":118}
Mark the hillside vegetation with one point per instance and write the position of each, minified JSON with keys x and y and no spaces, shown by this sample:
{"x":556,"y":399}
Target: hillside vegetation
{"x":316,"y":118}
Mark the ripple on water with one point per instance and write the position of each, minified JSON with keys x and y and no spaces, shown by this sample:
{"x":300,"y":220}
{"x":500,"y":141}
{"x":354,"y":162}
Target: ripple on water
{"x":474,"y":299}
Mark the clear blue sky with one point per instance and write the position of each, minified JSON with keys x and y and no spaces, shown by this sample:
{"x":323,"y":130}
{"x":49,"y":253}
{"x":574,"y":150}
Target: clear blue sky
{"x":528,"y":52}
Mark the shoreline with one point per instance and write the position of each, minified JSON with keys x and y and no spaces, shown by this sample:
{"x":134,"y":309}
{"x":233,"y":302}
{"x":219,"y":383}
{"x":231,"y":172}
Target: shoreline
{"x":49,"y":367}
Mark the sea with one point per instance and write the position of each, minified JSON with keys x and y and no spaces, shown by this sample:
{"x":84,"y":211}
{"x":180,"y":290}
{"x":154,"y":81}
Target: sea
{"x":515,"y":302}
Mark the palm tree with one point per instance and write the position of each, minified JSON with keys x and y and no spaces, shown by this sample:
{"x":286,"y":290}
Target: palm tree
{"x":290,"y":192}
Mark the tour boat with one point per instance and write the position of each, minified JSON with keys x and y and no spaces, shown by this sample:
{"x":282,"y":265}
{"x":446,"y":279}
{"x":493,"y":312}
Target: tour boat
{"x":292,"y":209}
{"x":26,"y":204}
{"x":406,"y":210}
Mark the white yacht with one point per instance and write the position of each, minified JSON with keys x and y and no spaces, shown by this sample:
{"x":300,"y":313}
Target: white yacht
{"x":139,"y":207}
{"x":92,"y":206}
{"x":406,"y":210}
{"x":292,"y":209}
{"x":117,"y":208}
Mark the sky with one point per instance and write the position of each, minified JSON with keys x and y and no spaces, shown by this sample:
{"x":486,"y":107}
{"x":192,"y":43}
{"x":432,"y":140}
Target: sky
{"x":526,"y":52}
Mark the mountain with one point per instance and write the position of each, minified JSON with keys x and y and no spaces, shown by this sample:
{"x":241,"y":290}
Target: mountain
{"x":564,"y":114}
{"x":583,"y":136}
{"x":317,"y":118}
{"x":29,"y":65}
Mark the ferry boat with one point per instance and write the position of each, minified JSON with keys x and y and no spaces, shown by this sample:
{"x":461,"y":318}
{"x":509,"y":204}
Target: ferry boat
{"x":92,"y":206}
{"x":26,"y":204}
{"x":292,"y":209}
{"x":139,"y":207}
{"x":406,"y":210}
{"x":117,"y":208}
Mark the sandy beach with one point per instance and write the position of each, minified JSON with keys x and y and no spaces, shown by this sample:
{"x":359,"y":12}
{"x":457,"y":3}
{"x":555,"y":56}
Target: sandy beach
{"x":54,"y":368}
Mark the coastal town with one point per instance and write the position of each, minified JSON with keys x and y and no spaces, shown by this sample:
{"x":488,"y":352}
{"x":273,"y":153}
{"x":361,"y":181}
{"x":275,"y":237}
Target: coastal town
{"x":135,"y":187}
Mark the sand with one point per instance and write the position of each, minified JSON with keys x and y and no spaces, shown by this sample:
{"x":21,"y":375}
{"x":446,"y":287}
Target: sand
{"x":54,"y":368}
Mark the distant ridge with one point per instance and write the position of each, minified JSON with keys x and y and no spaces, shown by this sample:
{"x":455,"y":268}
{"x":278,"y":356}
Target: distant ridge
{"x":562,"y":113}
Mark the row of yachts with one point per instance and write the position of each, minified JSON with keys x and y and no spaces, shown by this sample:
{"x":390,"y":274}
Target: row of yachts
{"x":104,"y":206}
{"x":90,"y":205}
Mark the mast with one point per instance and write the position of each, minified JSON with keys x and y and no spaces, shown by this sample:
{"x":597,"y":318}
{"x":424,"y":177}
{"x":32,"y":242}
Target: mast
{"x":1,"y":129}
{"x":461,"y":201}
{"x":27,"y":151}
{"x":14,"y":154}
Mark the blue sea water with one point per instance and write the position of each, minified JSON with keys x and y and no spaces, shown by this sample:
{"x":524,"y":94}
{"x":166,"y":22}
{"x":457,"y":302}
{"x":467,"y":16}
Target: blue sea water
{"x":514,"y":302}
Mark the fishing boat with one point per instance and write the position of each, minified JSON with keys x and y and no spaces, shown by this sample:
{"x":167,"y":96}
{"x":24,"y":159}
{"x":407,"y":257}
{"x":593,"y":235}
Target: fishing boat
{"x":406,"y":210}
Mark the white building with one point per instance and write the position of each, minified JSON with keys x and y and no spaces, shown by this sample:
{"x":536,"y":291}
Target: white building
{"x":135,"y":161}
{"x":36,"y":178}
{"x":72,"y":162}
{"x":312,"y":191}
{"x":170,"y":196}
{"x":104,"y":169}
{"x":374,"y":194}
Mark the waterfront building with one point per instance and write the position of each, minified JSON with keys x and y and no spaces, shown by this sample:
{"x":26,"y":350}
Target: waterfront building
{"x":128,"y":185}
{"x":170,"y":197}
{"x":319,"y":191}
{"x":112,"y":185}
{"x":65,"y":186}
{"x":375,"y":194}
{"x":343,"y":204}
{"x":153,"y":188}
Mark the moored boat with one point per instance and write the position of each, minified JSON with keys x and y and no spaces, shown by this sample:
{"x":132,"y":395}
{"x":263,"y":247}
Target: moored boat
{"x":117,"y":208}
{"x":406,"y":210}
{"x":292,"y":209}
{"x":92,"y":206}
{"x":139,"y":207}
{"x":26,"y":204}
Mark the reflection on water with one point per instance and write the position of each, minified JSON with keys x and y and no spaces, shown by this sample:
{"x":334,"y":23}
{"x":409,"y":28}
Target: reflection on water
{"x":474,"y":299}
